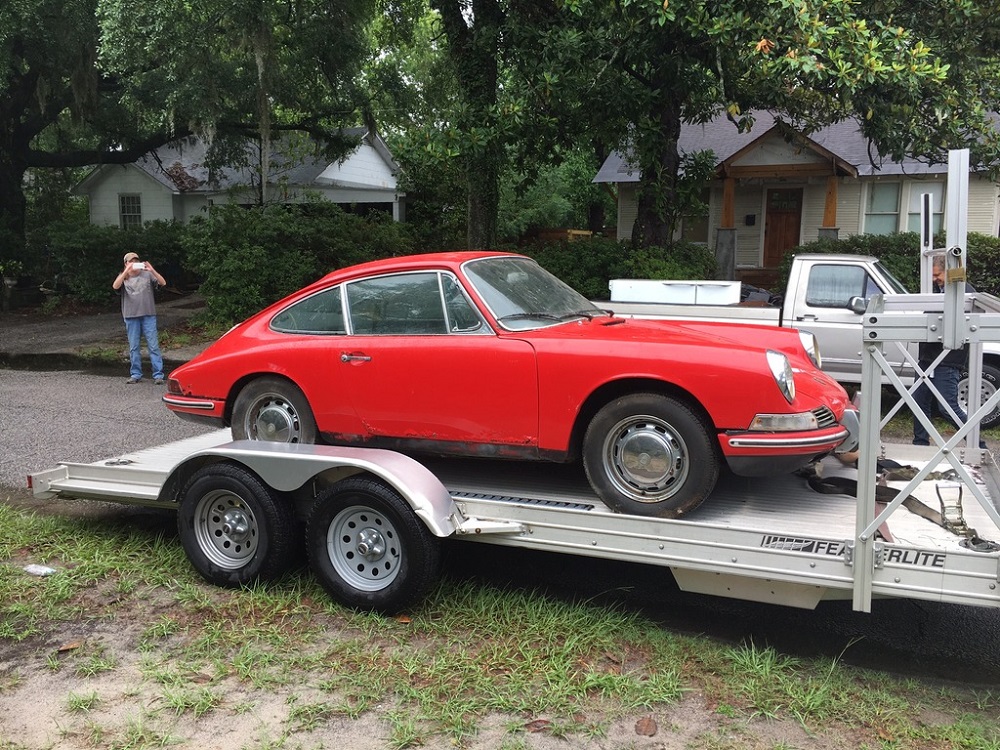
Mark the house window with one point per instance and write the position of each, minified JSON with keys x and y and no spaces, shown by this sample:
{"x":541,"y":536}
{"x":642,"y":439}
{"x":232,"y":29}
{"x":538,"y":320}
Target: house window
{"x":882,"y":208}
{"x":130,"y":211}
{"x":936,"y":190}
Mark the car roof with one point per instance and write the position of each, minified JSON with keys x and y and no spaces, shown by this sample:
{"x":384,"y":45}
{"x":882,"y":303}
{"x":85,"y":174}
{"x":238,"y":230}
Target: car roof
{"x":451,"y":259}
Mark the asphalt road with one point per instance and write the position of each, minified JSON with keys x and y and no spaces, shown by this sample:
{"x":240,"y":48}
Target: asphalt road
{"x":46,"y":417}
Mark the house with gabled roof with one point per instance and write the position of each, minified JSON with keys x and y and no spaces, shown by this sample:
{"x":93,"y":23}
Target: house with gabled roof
{"x":775,"y":188}
{"x":175,"y":182}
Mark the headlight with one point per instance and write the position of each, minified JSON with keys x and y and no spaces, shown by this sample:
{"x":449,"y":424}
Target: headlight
{"x":811,"y":344}
{"x":782,"y":372}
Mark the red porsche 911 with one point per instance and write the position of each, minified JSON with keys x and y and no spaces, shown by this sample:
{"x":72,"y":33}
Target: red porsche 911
{"x":486,"y":354}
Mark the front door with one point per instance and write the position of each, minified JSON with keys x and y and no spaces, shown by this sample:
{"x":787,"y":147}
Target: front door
{"x":782,"y":224}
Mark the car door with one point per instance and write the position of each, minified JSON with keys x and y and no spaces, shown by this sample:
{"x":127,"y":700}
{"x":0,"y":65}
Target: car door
{"x":424,"y":369}
{"x":825,"y":310}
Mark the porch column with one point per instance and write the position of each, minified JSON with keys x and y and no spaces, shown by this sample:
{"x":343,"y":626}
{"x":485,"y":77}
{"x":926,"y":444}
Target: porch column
{"x":829,"y":230}
{"x":725,"y":237}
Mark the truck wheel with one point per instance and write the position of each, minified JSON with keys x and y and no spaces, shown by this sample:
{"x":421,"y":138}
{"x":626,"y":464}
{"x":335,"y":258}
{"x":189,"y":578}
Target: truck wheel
{"x":988,"y":386}
{"x":650,"y":455}
{"x":273,"y":410}
{"x":368,"y":548}
{"x":233,"y":527}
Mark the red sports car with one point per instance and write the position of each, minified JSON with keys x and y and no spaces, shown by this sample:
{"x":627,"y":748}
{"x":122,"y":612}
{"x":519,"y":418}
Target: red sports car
{"x":487,"y":354}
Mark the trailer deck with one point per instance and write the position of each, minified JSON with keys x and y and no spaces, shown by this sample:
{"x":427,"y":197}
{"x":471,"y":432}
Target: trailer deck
{"x":770,"y":539}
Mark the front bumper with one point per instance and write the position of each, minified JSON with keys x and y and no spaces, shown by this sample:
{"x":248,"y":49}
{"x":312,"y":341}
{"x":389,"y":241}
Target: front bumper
{"x":755,"y":454}
{"x":203,"y":410}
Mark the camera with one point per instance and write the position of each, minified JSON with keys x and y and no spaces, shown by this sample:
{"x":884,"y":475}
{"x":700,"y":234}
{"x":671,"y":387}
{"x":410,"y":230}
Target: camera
{"x":140,"y":266}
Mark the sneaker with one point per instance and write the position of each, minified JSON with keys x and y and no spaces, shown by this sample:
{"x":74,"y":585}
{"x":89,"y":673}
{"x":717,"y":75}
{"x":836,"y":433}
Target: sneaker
{"x":159,"y":381}
{"x":131,"y":381}
{"x":920,"y":442}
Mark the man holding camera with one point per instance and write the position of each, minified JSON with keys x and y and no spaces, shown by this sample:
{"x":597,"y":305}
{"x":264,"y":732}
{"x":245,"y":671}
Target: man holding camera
{"x":136,"y":284}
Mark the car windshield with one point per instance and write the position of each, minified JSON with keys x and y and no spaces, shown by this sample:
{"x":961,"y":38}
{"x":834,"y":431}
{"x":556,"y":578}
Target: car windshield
{"x":523,"y":296}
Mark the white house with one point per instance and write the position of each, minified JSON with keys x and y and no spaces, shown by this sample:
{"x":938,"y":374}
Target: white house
{"x":775,"y":189}
{"x":173,"y":183}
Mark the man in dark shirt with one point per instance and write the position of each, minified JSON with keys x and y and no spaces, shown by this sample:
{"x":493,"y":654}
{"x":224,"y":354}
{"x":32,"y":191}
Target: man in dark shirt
{"x":946,"y":375}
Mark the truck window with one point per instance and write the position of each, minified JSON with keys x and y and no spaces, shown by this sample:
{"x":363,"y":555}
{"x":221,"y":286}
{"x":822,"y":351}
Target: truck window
{"x":833,"y":286}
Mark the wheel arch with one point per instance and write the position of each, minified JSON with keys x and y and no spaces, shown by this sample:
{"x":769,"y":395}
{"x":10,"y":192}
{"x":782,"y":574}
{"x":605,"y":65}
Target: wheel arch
{"x":302,"y":471}
{"x":618,"y":388}
{"x":243,"y":382}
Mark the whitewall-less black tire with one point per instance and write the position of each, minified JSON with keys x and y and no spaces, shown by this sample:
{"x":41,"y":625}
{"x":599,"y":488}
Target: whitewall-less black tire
{"x":649,"y":454}
{"x":234,"y":528}
{"x":273,"y":410}
{"x":368,"y":548}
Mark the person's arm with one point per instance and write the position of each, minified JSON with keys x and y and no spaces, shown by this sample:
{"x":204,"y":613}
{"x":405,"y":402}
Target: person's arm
{"x":156,"y":274}
{"x":126,"y":273}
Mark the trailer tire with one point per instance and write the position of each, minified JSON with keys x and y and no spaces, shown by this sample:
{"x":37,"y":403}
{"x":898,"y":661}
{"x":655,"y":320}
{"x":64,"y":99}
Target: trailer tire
{"x":648,"y":454}
{"x":988,"y":386}
{"x":233,"y":527}
{"x":368,"y":548}
{"x":273,"y":410}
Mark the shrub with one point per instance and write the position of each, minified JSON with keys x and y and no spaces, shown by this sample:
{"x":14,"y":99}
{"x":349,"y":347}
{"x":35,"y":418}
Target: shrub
{"x":248,"y":258}
{"x":588,"y":265}
{"x":900,"y":253}
{"x":82,"y":259}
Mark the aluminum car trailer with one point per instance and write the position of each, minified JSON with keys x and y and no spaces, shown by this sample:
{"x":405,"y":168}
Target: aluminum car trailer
{"x":374,"y":521}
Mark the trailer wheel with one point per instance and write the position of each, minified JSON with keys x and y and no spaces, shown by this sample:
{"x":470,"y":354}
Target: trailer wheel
{"x":987,"y":387}
{"x":368,"y":548}
{"x":650,"y":455}
{"x":233,"y":528}
{"x":273,"y":410}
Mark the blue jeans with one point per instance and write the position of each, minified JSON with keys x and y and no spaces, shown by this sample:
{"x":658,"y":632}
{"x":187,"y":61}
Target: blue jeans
{"x":945,"y":379}
{"x":137,"y":329}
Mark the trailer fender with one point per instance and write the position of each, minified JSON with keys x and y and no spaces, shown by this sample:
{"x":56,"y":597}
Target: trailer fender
{"x":288,"y":467}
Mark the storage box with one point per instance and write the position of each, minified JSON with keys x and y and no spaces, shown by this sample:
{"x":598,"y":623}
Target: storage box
{"x":675,"y":292}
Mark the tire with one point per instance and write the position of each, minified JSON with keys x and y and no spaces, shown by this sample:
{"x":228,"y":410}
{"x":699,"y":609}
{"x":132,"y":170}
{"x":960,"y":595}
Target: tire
{"x":368,"y":548}
{"x":988,"y":386}
{"x":233,"y":527}
{"x":273,"y":410}
{"x":650,"y":455}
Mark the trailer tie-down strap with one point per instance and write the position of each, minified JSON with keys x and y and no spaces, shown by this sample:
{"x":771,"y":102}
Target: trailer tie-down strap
{"x":884,"y":494}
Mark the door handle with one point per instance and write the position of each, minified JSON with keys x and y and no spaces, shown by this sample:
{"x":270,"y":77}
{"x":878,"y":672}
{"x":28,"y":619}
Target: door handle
{"x":348,"y":357}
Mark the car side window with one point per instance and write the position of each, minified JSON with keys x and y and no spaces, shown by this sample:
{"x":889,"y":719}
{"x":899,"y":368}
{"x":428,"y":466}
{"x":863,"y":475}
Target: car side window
{"x":321,"y":313}
{"x":402,"y":304}
{"x":833,"y":286}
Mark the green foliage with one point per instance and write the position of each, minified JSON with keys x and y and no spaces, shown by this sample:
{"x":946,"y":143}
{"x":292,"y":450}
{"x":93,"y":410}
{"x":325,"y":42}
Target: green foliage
{"x":83,"y":260}
{"x":900,"y":252}
{"x":555,"y":196}
{"x":589,"y":265}
{"x":249,"y":258}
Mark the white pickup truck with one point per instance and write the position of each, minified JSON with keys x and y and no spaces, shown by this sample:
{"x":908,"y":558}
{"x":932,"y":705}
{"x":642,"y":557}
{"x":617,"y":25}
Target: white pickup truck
{"x":826,"y":295}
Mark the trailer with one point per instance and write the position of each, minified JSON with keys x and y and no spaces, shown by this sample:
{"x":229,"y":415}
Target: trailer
{"x":374,"y":521}
{"x":906,"y":522}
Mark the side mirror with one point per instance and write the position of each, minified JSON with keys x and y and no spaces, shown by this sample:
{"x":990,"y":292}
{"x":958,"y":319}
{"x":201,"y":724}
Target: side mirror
{"x":857,"y":305}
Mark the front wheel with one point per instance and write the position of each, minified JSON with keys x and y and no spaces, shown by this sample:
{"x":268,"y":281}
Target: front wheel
{"x":233,"y":527}
{"x":368,"y":548}
{"x":650,"y":455}
{"x":987,"y":387}
{"x":273,"y":410}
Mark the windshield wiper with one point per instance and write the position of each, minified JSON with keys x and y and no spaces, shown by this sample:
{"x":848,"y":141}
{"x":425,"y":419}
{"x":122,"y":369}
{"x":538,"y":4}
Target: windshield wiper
{"x":529,"y":316}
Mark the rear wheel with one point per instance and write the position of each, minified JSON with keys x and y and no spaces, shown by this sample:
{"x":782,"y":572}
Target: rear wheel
{"x":233,"y":527}
{"x":987,"y":387}
{"x":368,"y":548}
{"x":273,"y":410}
{"x":650,"y":455}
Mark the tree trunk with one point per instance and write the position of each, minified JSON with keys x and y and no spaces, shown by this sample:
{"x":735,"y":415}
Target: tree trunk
{"x":660,"y":161}
{"x":474,"y":51}
{"x":12,"y":206}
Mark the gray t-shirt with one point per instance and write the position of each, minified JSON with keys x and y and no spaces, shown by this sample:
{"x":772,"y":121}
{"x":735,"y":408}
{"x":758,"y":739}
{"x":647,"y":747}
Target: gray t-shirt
{"x":137,"y":296}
